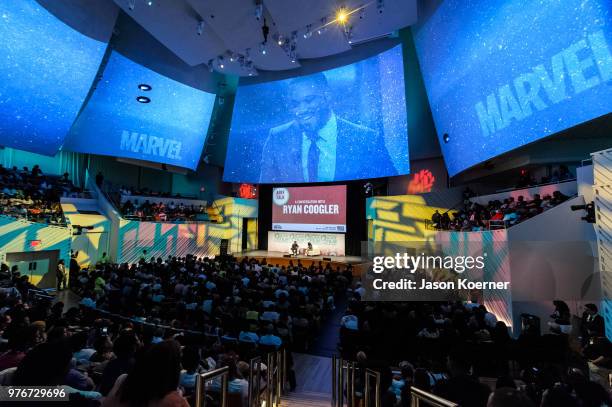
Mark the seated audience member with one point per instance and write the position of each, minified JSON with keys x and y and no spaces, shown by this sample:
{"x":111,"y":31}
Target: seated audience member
{"x":154,"y":379}
{"x":48,"y":364}
{"x":124,"y":349}
{"x":592,"y":324}
{"x":270,"y":339}
{"x":461,"y":387}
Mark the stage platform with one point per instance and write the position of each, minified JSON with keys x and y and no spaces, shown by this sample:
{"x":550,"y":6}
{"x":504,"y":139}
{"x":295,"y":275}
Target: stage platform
{"x":279,"y":258}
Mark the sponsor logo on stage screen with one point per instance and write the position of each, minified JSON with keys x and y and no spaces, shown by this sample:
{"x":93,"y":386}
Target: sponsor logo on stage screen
{"x":309,"y":209}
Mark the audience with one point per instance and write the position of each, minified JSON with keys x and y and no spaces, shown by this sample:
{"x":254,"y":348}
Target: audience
{"x":161,"y":212}
{"x":496,"y":214}
{"x":143,"y":332}
{"x":30,"y":195}
{"x":456,"y":351}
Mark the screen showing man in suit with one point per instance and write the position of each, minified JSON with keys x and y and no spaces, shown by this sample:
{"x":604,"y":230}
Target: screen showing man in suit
{"x":342,"y":124}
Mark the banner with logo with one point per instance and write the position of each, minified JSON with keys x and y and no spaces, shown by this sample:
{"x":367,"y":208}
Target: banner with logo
{"x":309,"y":209}
{"x":323,"y":244}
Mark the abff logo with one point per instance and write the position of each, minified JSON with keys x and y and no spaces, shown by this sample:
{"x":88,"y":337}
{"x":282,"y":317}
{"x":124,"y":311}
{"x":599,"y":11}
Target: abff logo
{"x":280,"y":196}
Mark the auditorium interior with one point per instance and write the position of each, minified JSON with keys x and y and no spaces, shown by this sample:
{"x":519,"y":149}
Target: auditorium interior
{"x":287,"y":203}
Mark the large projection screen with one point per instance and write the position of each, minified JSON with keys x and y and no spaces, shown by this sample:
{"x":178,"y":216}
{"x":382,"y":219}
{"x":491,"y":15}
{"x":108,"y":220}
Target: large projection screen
{"x":170,"y":128}
{"x":500,"y":75}
{"x":355,"y":115}
{"x":46,"y":70}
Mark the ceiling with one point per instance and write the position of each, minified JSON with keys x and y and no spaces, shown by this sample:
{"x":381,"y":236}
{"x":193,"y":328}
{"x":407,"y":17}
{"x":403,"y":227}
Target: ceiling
{"x":226,"y":35}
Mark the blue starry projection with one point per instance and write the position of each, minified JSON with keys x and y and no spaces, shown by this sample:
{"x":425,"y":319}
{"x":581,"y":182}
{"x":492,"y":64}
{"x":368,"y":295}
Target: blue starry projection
{"x":137,"y":113}
{"x":500,"y":75}
{"x":355,"y":114}
{"x":46,"y":70}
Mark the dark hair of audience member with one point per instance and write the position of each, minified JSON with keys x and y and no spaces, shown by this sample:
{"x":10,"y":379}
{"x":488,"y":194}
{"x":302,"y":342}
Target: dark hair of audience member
{"x":125,"y":345}
{"x":155,"y":374}
{"x":421,"y":379}
{"x":507,"y":397}
{"x":558,"y":397}
{"x":46,"y":364}
{"x":505,"y":382}
{"x":190,"y":359}
{"x":592,"y":394}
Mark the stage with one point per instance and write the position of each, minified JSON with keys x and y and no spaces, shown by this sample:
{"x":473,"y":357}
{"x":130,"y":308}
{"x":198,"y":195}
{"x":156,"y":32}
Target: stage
{"x":278,"y":258}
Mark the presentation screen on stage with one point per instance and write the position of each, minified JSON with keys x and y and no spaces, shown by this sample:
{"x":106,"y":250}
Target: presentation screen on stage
{"x":170,"y":127}
{"x":46,"y":71}
{"x":342,"y":124}
{"x":500,"y":75}
{"x":309,"y":209}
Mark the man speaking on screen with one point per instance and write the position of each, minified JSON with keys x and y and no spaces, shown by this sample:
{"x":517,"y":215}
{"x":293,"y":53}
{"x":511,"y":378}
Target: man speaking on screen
{"x":318,"y":145}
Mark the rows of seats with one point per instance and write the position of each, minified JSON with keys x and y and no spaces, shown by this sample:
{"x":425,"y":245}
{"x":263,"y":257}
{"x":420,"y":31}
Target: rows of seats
{"x":161,"y":321}
{"x":459,"y":351}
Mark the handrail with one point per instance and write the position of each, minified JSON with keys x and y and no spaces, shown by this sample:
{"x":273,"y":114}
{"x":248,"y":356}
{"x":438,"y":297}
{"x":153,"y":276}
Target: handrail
{"x":417,"y":395}
{"x":339,"y":376}
{"x":276,"y":377}
{"x":255,"y":396}
{"x":376,"y":375}
{"x":201,"y":380}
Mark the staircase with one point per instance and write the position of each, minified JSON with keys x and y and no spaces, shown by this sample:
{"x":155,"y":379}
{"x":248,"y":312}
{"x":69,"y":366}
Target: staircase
{"x":305,"y":399}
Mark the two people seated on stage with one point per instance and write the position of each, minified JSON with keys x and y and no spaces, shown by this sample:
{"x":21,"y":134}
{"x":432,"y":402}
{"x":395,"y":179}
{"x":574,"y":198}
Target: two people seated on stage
{"x":308,"y":251}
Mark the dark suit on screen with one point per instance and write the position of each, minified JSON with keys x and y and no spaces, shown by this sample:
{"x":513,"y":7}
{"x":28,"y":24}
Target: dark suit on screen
{"x":360,"y":153}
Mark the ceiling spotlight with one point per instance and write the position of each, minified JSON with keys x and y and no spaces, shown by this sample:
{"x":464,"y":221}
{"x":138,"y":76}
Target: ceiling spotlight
{"x":232,"y":56}
{"x":262,"y":48}
{"x":210,"y":65}
{"x":348,"y":32}
{"x":279,"y":40}
{"x":308,"y":32}
{"x":200,"y":27}
{"x":143,"y":99}
{"x":294,"y":36}
{"x":323,"y":26}
{"x":220,"y":62}
{"x":446,"y":137}
{"x":342,"y":16}
{"x":380,"y":6}
{"x":258,"y":9}
{"x":293,"y":57}
{"x":145,"y":87}
{"x":149,"y":2}
{"x":131,"y":4}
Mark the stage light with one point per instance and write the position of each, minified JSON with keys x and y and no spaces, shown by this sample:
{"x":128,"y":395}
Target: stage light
{"x":143,"y":99}
{"x":220,"y":62}
{"x":262,"y":48}
{"x":342,"y":16}
{"x":149,"y":3}
{"x":145,"y":87}
{"x":131,"y":4}
{"x":446,"y":137}
{"x":232,"y":57}
{"x":200,"y":28}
